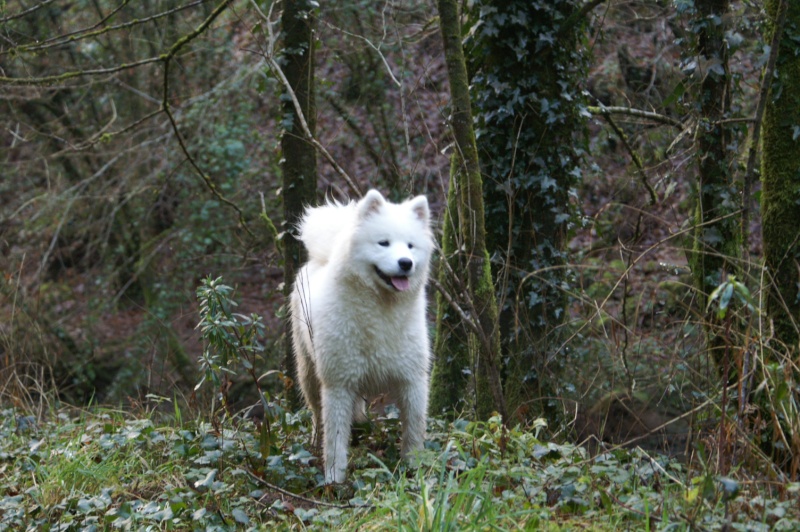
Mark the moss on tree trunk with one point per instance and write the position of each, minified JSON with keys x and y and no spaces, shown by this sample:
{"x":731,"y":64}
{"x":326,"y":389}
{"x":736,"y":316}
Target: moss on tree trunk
{"x":452,"y":367}
{"x":469,"y":254}
{"x":781,"y":182}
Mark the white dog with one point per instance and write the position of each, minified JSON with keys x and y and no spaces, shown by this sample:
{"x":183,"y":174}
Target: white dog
{"x":358,"y":318}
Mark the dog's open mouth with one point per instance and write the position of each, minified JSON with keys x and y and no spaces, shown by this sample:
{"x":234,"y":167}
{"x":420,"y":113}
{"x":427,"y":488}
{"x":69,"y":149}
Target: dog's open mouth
{"x":398,"y":282}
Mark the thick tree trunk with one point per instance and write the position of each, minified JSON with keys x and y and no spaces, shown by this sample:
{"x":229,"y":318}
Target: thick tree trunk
{"x":781,"y":184}
{"x":299,"y":157}
{"x":717,"y":238}
{"x":530,"y":157}
{"x":467,"y":217}
{"x":781,"y":239}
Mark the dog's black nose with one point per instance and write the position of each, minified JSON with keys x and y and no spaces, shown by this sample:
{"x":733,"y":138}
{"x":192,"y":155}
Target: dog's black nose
{"x":405,"y":264}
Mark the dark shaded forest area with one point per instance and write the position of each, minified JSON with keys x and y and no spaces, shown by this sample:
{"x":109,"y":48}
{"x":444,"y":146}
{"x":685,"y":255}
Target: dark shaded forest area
{"x":639,"y":167}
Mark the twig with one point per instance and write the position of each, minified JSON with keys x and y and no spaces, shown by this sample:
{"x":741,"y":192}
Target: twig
{"x":101,"y":134}
{"x":450,"y":301}
{"x":472,"y":323}
{"x":681,"y":233}
{"x":315,"y":502}
{"x":25,"y":12}
{"x":269,"y":56}
{"x":106,"y":136}
{"x":634,"y":156}
{"x":376,"y":48}
{"x":86,"y":33}
{"x":49,"y":80}
{"x":388,"y":69}
{"x":655,"y":465}
{"x":99,"y":23}
{"x":64,"y":216}
{"x":180,"y":43}
{"x":307,"y":131}
{"x":638,"y":113}
{"x":166,"y":58}
{"x":361,"y":135}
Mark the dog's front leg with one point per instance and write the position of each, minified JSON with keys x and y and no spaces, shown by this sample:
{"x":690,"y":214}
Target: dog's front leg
{"x":337,"y":417}
{"x":413,"y":415}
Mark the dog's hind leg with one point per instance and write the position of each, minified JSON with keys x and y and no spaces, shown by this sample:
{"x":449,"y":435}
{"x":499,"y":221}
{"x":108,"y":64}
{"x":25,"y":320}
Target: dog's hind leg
{"x":309,"y":385}
{"x":360,"y":410}
{"x":337,"y":418}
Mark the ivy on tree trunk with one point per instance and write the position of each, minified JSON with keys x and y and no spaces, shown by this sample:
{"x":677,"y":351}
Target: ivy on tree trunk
{"x":716,"y":238}
{"x":526,"y":96}
{"x":465,"y":251}
{"x":527,"y":101}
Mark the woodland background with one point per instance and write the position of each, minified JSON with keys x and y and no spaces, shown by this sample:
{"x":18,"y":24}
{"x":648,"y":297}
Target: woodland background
{"x":149,"y":146}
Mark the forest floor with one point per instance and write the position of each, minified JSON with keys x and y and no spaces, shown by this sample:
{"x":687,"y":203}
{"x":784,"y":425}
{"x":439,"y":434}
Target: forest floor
{"x":96,"y":468}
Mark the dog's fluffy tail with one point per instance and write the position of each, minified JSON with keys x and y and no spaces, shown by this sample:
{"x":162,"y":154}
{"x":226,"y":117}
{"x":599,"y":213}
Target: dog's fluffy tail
{"x":321,"y":227}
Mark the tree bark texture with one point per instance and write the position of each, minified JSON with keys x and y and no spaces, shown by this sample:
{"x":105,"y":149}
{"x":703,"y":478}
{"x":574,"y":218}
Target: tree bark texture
{"x":299,"y":156}
{"x":717,"y":239}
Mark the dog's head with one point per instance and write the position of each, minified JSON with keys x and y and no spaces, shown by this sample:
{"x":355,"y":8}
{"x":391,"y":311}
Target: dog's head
{"x":392,"y":242}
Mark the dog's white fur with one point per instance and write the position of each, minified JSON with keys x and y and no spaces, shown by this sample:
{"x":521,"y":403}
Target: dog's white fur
{"x":357,"y":332}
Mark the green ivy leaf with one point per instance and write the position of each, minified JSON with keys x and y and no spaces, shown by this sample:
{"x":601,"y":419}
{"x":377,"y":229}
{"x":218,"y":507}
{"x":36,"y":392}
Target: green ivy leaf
{"x":240,"y":516}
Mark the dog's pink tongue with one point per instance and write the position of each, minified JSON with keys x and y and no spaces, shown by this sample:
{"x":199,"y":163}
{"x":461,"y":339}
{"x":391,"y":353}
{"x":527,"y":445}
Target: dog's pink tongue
{"x":400,"y":283}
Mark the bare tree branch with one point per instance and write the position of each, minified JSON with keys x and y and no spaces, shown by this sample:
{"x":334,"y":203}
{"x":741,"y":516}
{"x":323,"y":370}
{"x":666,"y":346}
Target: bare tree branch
{"x":86,"y":33}
{"x":50,"y":80}
{"x":634,"y":156}
{"x":269,"y":56}
{"x":25,"y":12}
{"x":166,"y":58}
{"x":638,"y":113}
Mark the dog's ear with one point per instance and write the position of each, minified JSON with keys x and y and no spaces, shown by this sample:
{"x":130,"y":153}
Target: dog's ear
{"x":419,"y":206}
{"x":370,"y":204}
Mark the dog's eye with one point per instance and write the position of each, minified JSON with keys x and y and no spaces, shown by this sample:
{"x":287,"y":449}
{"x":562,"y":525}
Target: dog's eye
{"x":410,"y":245}
{"x":384,"y":243}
